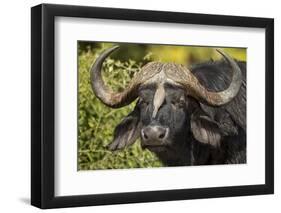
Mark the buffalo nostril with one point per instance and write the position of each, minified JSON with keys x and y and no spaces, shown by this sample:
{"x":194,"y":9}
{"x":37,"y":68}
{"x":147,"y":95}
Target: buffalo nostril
{"x":144,"y":135}
{"x":162,"y":135}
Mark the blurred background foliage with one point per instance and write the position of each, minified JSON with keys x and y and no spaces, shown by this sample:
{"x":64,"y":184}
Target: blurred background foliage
{"x":96,"y":122}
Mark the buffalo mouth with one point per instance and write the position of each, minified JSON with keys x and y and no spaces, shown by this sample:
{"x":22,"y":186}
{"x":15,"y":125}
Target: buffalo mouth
{"x":155,"y":148}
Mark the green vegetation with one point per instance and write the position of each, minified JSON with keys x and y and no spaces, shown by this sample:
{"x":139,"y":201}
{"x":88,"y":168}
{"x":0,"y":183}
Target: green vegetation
{"x":96,"y":122}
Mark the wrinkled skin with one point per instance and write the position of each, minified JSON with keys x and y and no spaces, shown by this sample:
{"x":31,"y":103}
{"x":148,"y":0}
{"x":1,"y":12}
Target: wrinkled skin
{"x":193,"y":133}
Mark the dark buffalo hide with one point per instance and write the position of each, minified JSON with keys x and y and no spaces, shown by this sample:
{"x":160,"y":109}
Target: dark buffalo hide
{"x":193,"y":133}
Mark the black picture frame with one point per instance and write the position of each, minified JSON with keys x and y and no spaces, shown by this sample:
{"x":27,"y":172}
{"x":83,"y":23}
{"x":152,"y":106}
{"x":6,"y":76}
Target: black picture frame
{"x":43,"y":102}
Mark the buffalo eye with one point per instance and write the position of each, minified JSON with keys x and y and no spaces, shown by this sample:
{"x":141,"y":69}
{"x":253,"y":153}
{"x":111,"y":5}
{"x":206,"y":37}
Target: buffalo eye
{"x":181,"y":103}
{"x":143,"y":102}
{"x":178,"y":103}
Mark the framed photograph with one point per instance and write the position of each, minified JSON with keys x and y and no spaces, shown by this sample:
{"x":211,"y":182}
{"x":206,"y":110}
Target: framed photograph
{"x":140,"y":106}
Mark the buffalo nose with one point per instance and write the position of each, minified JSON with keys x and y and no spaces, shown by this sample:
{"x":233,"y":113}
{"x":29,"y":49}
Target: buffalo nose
{"x":155,"y":133}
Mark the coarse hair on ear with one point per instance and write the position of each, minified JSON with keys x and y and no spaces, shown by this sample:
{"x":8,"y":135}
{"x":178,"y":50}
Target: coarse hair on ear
{"x":205,"y":130}
{"x":127,"y":132}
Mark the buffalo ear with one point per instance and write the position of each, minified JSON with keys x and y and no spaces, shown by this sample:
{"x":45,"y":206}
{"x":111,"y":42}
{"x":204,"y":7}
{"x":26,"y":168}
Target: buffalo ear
{"x":205,"y":130}
{"x":127,"y":132}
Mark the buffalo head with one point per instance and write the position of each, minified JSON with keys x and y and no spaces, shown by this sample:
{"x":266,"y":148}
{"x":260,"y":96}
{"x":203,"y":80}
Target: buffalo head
{"x":168,"y":106}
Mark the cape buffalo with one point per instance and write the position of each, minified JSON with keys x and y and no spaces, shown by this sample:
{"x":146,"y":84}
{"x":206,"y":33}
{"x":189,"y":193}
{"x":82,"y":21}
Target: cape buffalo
{"x":194,"y":116}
